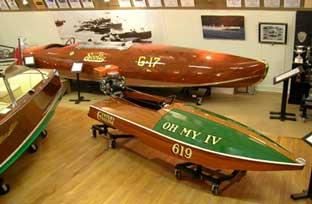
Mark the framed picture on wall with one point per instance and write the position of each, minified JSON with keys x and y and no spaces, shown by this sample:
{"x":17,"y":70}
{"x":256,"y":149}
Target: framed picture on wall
{"x":273,"y":33}
{"x":223,"y":27}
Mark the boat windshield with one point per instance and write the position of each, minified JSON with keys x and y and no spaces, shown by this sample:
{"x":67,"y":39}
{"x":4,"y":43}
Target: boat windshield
{"x":14,"y":86}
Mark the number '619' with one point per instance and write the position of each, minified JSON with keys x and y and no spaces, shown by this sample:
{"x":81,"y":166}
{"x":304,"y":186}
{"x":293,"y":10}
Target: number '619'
{"x":181,"y":151}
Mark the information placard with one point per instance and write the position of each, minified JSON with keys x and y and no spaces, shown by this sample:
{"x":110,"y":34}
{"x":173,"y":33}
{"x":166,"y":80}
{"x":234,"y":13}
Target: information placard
{"x":77,"y":67}
{"x":287,"y":75}
{"x":308,"y":138}
{"x":252,"y":3}
{"x":51,"y":4}
{"x":87,"y":3}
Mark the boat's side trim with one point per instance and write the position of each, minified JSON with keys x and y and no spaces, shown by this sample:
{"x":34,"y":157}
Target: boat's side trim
{"x":196,"y":147}
{"x":33,"y":135}
{"x":166,"y":84}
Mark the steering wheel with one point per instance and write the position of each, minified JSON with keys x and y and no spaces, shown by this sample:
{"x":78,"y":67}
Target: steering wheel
{"x":70,"y":41}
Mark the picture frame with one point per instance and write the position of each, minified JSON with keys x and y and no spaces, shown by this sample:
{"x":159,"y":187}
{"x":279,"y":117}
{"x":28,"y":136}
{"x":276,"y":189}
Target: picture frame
{"x":273,"y":33}
{"x":223,"y":27}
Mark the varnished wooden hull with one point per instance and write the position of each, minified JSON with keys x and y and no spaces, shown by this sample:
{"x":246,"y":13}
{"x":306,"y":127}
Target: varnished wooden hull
{"x":152,"y":65}
{"x":25,"y":122}
{"x":153,"y":129}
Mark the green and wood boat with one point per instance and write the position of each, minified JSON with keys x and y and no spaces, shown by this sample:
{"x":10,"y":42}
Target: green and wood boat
{"x":193,"y":134}
{"x":28,"y":98}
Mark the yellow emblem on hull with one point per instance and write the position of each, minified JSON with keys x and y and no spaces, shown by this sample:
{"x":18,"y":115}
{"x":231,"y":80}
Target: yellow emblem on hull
{"x":94,"y":57}
{"x":105,"y":118}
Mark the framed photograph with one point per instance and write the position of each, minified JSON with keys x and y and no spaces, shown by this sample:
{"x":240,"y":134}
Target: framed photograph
{"x":273,"y":33}
{"x":223,"y":27}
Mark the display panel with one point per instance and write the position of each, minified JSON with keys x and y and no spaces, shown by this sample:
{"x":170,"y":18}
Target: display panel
{"x":287,"y":75}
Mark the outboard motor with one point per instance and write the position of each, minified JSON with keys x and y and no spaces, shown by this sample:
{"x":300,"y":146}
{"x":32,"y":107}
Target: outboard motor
{"x":113,"y":84}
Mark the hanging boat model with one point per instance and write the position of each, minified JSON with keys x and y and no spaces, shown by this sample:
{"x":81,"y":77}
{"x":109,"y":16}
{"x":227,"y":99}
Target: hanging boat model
{"x":28,"y":98}
{"x":195,"y":135}
{"x":151,"y":65}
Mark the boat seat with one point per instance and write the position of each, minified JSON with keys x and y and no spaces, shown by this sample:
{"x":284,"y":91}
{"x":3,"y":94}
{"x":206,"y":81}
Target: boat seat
{"x":4,"y":96}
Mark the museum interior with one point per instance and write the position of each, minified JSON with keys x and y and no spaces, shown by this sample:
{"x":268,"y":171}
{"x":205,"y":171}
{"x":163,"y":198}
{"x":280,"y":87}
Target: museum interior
{"x":155,"y":101}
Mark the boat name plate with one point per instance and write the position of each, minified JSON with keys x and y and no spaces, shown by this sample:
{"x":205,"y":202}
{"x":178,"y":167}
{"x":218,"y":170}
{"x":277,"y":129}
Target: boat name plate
{"x":101,"y":116}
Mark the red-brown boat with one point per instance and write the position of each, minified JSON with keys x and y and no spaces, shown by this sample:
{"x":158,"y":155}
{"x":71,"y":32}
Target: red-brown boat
{"x":152,"y":65}
{"x":28,"y":98}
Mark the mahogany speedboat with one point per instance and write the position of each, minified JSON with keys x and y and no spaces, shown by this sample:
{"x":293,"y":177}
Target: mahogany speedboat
{"x":28,"y":98}
{"x":195,"y":135}
{"x":152,"y":65}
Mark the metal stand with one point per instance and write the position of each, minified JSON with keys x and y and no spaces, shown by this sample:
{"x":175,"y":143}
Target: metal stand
{"x":214,"y":177}
{"x":199,"y":93}
{"x":103,"y":131}
{"x":305,"y":193}
{"x":283,"y":115}
{"x":79,"y":98}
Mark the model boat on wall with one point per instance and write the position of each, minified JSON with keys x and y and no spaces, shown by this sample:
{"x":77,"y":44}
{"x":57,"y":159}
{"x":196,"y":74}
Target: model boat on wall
{"x":28,"y":98}
{"x":152,"y":65}
{"x":190,"y":133}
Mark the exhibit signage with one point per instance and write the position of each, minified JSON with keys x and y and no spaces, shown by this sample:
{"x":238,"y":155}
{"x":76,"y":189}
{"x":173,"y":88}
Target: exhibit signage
{"x":3,"y":5}
{"x":87,"y":3}
{"x":287,"y":75}
{"x":51,"y":4}
{"x":252,"y":3}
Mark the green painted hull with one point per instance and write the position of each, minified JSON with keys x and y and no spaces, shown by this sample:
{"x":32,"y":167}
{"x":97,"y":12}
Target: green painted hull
{"x":220,"y":138}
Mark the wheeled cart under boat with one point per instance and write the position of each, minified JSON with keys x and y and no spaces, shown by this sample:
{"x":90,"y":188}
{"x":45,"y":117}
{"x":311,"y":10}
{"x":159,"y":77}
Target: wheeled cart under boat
{"x":28,"y":98}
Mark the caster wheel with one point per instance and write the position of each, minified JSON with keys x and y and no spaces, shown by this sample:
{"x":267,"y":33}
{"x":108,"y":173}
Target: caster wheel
{"x":33,"y":148}
{"x":105,"y":130}
{"x":178,"y":174}
{"x":112,"y":144}
{"x":4,"y":189}
{"x":44,"y":134}
{"x":94,"y":132}
{"x":199,"y":101}
{"x":215,"y":189}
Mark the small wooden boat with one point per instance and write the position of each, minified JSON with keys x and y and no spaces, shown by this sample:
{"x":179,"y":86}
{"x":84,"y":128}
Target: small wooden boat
{"x":190,"y":133}
{"x":28,"y":98}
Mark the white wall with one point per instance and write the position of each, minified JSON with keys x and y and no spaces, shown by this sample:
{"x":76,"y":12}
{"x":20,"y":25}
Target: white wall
{"x":176,"y":27}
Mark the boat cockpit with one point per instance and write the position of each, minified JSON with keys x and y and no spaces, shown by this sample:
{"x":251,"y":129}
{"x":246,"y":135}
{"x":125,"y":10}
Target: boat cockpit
{"x":16,"y":82}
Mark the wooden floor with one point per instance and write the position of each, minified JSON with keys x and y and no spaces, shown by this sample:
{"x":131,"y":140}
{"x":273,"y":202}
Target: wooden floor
{"x":71,"y":167}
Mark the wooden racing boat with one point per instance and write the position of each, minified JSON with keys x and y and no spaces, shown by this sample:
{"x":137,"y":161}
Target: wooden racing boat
{"x":152,"y":65}
{"x":190,"y":133}
{"x":28,"y":98}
